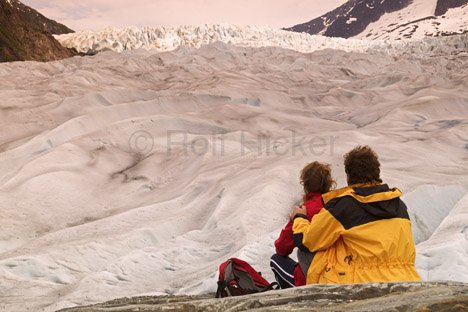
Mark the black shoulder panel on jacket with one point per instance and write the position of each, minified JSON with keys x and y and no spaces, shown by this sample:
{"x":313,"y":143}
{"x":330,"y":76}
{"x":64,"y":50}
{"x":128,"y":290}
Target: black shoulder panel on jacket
{"x":298,"y":242}
{"x":368,"y":190}
{"x":297,"y":238}
{"x":350,"y":212}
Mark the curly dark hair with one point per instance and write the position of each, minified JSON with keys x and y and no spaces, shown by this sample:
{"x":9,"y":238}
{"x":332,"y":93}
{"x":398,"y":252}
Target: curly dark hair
{"x":316,"y":177}
{"x":362,"y":166}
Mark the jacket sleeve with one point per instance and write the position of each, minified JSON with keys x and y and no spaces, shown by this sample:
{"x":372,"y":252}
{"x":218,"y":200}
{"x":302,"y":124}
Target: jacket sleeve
{"x":319,"y":234}
{"x":284,"y":245}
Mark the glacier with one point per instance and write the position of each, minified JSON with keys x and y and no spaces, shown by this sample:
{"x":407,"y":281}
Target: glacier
{"x":140,"y":172}
{"x":169,"y":38}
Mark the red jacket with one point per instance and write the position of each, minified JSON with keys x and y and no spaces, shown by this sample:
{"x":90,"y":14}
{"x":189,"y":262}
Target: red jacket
{"x":285,"y":244}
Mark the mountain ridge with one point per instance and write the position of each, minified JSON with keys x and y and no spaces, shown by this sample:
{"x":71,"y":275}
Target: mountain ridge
{"x":333,"y":27}
{"x":25,"y":34}
{"x":390,"y":19}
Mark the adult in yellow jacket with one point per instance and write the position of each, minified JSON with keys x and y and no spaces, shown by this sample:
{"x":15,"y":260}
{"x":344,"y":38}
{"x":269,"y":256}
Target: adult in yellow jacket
{"x":363,"y":233}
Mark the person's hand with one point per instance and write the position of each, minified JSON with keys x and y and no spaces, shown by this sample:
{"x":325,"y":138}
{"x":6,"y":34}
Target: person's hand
{"x":298,"y":210}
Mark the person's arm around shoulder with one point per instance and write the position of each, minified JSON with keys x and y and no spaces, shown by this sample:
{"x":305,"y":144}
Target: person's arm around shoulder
{"x":318,"y":234}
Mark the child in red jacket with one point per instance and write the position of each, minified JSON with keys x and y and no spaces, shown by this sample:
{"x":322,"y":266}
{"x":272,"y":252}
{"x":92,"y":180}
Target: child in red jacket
{"x":316,"y":179}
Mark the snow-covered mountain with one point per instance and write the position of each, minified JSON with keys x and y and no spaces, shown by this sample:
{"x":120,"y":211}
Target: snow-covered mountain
{"x":391,"y":19}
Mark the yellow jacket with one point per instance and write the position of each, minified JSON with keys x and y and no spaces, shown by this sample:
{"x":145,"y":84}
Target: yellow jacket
{"x":363,"y":234}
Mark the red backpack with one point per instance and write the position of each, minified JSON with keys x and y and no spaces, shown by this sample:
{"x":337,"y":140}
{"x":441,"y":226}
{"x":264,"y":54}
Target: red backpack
{"x":237,"y":278}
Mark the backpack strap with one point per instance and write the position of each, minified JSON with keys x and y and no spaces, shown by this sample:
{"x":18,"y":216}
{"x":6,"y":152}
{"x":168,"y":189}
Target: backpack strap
{"x":272,"y":286}
{"x":221,"y":287}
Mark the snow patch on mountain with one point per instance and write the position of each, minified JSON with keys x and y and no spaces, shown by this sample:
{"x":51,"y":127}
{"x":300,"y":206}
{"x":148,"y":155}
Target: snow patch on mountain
{"x":418,"y":20}
{"x":391,"y":19}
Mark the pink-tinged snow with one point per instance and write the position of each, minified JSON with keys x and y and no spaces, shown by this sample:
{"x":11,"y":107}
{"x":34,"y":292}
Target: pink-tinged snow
{"x":140,"y":172}
{"x":169,"y":38}
{"x":417,"y":21}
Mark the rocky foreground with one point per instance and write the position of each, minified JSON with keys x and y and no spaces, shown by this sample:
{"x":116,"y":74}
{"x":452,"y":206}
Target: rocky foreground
{"x":435,"y":296}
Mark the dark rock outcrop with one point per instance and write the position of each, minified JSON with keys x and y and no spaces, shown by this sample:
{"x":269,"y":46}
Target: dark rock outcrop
{"x":435,"y":296}
{"x":444,"y":5}
{"x":25,"y":34}
{"x":336,"y":23}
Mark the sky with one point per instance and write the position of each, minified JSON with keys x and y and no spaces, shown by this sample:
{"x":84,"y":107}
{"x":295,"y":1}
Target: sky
{"x":98,"y":14}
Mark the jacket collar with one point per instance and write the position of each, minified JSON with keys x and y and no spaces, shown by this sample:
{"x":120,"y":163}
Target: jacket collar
{"x":364,"y":193}
{"x":311,"y":196}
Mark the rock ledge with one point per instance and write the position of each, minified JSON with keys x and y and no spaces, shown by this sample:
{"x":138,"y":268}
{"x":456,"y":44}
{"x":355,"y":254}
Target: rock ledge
{"x":427,"y":296}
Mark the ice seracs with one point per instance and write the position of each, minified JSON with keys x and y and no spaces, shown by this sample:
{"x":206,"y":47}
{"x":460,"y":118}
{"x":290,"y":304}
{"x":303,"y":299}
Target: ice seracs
{"x":168,"y":38}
